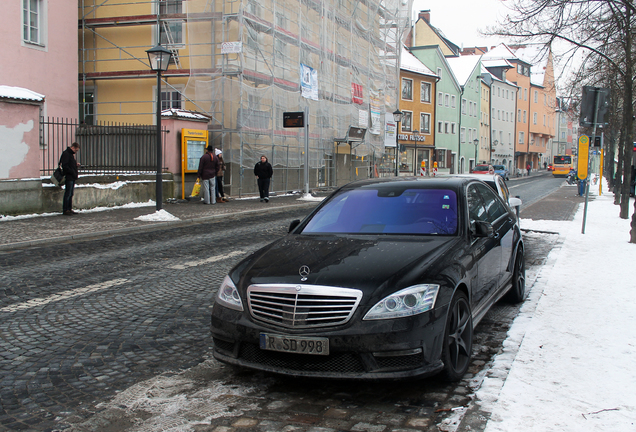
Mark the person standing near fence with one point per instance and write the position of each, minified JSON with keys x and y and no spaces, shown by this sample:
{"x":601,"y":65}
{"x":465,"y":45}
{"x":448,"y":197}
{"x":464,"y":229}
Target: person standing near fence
{"x":263,"y":172}
{"x":208,"y":167}
{"x":220,"y":195}
{"x":70,"y":168}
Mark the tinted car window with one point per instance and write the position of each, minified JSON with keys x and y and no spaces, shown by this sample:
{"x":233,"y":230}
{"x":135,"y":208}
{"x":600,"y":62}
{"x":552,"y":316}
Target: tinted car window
{"x":494,"y":207}
{"x":476,"y":207}
{"x":387,"y":211}
{"x":504,"y":189}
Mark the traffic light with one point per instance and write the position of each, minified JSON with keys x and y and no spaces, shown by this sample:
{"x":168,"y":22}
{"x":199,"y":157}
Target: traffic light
{"x":597,"y":141}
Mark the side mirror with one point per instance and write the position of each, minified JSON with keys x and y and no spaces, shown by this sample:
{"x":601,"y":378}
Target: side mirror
{"x":483,"y":229}
{"x":514,"y":202}
{"x":293,"y":224}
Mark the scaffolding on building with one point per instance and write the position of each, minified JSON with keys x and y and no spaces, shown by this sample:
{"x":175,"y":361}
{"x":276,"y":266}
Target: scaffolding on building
{"x":243,"y":63}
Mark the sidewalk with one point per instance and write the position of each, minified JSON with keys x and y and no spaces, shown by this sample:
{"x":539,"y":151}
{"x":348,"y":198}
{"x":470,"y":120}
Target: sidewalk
{"x":568,"y":363}
{"x":43,"y":229}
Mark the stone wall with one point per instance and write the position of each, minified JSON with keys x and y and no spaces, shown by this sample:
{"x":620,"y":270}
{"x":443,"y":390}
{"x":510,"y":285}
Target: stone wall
{"x":40,"y":196}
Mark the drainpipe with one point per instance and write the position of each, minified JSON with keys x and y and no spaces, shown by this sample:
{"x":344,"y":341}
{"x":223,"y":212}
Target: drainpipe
{"x":459,"y":147}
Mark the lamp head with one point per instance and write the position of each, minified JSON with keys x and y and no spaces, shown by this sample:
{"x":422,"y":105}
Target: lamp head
{"x":159,"y":58}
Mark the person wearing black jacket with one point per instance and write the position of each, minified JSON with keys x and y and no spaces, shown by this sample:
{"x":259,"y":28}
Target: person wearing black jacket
{"x":263,"y":172}
{"x":70,"y":168}
{"x":208,"y":166}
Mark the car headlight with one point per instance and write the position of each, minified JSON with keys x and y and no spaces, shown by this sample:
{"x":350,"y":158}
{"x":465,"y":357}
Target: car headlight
{"x":409,"y":301}
{"x":228,"y":295}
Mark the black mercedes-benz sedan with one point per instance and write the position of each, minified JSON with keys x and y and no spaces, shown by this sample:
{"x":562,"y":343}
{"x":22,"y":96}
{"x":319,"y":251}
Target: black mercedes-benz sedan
{"x":386,"y":278}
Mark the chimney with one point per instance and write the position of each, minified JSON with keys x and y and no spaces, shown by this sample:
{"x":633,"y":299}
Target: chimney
{"x":425,"y":15}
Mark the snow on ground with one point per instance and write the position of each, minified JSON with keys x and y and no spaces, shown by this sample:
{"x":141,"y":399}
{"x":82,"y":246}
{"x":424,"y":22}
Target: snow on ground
{"x":158,"y":216}
{"x":149,"y":203}
{"x":179,"y":402}
{"x":310,"y":197}
{"x":569,"y":362}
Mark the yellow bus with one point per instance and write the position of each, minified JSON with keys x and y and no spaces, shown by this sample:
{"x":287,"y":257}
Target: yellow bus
{"x":562,"y":165}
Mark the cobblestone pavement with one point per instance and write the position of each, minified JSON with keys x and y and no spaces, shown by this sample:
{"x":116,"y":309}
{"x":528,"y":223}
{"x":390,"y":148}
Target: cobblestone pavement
{"x":110,"y":333}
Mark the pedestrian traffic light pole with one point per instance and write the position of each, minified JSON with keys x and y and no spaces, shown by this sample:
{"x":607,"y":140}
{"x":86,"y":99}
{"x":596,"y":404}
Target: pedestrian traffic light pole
{"x":306,"y":130}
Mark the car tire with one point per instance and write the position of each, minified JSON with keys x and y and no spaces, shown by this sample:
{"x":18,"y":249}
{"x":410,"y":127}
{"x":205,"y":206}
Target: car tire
{"x":458,"y":338}
{"x":517,"y":291}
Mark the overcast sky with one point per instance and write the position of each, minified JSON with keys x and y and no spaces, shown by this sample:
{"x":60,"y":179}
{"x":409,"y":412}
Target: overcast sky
{"x":463,"y":28}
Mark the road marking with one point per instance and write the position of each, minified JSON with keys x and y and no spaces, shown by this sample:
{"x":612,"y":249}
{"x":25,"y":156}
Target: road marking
{"x":43,"y":301}
{"x":206,"y":260}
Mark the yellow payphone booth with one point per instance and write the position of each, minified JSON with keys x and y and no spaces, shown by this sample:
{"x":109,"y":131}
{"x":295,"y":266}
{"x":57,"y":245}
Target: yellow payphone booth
{"x":193,"y":144}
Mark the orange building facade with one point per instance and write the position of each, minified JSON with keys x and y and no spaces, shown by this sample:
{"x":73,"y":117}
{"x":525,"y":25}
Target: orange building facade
{"x":416,"y":135}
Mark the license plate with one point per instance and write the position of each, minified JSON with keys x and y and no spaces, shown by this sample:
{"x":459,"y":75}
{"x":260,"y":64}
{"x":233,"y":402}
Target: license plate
{"x":295,"y":344}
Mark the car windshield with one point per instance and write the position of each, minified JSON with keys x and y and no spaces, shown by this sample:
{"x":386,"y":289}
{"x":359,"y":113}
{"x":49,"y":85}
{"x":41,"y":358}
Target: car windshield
{"x":387,"y":210}
{"x":499,"y":167}
{"x":481,"y":168}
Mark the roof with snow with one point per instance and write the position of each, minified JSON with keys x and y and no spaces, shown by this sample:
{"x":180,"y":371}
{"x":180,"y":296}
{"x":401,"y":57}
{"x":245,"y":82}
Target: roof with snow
{"x":193,"y":115}
{"x":503,"y":63}
{"x":500,"y":52}
{"x":463,"y":67}
{"x":20,"y":93}
{"x":537,"y":56}
{"x":409,"y":62}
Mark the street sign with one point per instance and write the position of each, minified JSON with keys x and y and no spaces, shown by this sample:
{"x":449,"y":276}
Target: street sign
{"x":584,"y":148}
{"x":294,"y":119}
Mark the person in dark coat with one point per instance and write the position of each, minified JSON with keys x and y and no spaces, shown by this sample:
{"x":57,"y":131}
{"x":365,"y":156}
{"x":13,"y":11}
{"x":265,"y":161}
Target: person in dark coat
{"x":220,"y":195}
{"x":263,"y":172}
{"x":208,"y":166}
{"x":70,"y":169}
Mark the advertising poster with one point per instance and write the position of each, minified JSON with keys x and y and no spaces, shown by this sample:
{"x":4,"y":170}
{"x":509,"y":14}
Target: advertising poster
{"x":309,"y":82}
{"x":376,"y":109}
{"x":389,"y":130}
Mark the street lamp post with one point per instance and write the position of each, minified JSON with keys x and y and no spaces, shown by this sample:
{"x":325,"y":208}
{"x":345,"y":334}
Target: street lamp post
{"x":397,"y":117}
{"x":493,"y":149}
{"x":159,"y":58}
{"x":476,"y":142}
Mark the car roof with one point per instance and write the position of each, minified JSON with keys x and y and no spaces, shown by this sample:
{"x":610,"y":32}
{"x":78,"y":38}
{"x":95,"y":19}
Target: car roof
{"x":482,"y":177}
{"x":446,"y":182}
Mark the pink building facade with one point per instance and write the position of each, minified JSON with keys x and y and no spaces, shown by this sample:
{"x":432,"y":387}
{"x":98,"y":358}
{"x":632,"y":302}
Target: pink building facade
{"x":40,"y":52}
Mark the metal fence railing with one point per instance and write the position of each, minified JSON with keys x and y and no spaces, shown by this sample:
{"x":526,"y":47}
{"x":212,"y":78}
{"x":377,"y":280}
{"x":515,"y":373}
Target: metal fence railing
{"x":105,"y":148}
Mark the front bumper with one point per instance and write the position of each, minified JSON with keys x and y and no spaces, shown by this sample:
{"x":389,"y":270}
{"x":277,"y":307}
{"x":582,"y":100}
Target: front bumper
{"x":395,"y":348}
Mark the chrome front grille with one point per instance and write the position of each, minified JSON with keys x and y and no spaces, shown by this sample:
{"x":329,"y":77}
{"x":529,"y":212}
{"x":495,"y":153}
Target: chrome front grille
{"x":302,"y":306}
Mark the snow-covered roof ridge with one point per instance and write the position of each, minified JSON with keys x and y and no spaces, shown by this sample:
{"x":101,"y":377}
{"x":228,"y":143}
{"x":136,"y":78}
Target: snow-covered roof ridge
{"x":463,"y":66}
{"x":500,"y":52}
{"x":537,"y":56}
{"x":20,"y":93}
{"x":411,"y":63}
{"x":175,"y":112}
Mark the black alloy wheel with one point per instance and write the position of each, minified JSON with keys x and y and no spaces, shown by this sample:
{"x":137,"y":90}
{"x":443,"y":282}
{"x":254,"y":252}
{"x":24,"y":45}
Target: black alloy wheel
{"x":458,"y":338}
{"x":518,"y":289}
